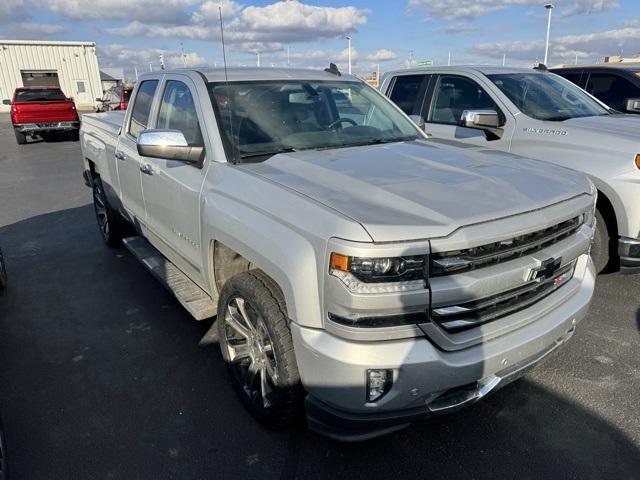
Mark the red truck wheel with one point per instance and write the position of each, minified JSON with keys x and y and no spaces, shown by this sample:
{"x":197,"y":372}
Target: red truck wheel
{"x":21,"y":138}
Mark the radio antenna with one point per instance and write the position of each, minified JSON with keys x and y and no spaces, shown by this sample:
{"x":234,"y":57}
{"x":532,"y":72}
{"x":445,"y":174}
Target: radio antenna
{"x":224,"y":52}
{"x":226,"y":81}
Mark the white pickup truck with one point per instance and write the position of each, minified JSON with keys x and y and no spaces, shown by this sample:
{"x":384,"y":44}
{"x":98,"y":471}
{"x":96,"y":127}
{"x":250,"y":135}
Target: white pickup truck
{"x":355,"y":268}
{"x":538,"y":114}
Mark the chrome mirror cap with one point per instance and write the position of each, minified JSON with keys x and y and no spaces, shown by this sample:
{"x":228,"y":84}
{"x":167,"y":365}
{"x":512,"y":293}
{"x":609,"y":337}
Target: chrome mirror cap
{"x":169,"y":145}
{"x":481,"y":119}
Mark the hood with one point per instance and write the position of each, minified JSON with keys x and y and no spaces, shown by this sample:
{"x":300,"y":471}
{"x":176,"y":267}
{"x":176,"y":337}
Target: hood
{"x":416,"y":190}
{"x":618,"y":124}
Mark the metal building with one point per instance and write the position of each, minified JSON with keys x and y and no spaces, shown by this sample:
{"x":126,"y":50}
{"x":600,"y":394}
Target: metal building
{"x":73,"y":66}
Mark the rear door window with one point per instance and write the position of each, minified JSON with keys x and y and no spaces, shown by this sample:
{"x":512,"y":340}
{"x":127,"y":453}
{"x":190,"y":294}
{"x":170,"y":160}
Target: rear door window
{"x":574,"y":77}
{"x":39,"y":95}
{"x":614,"y":90}
{"x":406,"y":93}
{"x":142,"y":107}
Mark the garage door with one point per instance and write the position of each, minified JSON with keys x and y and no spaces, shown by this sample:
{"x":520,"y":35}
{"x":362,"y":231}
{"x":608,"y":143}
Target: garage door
{"x":40,"y":78}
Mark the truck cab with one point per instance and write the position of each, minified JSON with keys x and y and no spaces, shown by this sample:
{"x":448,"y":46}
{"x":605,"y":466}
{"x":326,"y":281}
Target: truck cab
{"x":537,"y":114}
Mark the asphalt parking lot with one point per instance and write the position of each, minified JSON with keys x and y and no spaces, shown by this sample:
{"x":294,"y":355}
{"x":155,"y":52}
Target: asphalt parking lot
{"x":102,"y":375}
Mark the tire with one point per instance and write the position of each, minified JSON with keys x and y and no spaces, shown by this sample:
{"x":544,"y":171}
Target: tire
{"x":21,"y":138}
{"x":3,"y":273}
{"x":601,"y":245}
{"x":109,"y":221}
{"x":257,"y":348}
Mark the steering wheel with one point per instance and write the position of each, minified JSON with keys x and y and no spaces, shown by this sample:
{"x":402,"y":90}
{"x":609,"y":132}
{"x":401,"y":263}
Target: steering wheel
{"x":342,"y":120}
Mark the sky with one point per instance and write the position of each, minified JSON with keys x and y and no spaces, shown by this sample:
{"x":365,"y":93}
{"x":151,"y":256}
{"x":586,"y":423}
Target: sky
{"x":310,"y":34}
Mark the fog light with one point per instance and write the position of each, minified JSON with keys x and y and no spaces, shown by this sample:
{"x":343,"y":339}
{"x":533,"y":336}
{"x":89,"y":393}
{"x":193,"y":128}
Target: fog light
{"x":378,"y":383}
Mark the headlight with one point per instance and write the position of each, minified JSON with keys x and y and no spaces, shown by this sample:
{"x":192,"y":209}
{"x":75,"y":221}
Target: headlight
{"x":379,"y":274}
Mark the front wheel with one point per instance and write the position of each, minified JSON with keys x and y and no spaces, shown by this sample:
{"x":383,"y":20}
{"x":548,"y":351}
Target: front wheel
{"x":3,"y":273}
{"x":257,"y":347}
{"x":109,"y":221}
{"x":601,"y":246}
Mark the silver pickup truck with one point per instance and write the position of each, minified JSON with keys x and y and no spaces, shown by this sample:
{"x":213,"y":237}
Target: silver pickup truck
{"x":540,"y":115}
{"x":355,"y":268}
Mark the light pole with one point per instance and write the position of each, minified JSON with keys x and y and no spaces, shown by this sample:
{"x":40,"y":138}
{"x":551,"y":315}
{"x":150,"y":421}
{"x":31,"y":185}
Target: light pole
{"x":348,"y":37}
{"x":257,"y":58}
{"x":549,"y":7}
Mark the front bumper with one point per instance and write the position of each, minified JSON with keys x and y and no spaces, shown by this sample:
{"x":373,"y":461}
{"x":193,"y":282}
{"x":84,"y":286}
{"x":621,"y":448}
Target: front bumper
{"x":427,"y":380}
{"x":629,"y":252}
{"x":47,"y":127}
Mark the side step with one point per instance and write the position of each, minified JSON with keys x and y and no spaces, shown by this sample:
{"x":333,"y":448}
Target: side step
{"x":190,"y":295}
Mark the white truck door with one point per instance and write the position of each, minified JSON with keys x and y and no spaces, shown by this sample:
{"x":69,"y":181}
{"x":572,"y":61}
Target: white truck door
{"x":451,"y":95}
{"x":128,"y":161}
{"x":172,"y":188}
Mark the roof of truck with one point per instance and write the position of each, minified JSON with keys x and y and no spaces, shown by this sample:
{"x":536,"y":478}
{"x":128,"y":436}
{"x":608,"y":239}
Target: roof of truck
{"x":485,"y":69}
{"x":236,"y":74}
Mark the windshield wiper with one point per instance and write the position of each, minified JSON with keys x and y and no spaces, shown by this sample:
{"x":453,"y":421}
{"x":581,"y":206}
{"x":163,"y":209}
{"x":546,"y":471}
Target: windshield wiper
{"x":557,"y":119}
{"x":269,"y":153}
{"x":378,"y":141}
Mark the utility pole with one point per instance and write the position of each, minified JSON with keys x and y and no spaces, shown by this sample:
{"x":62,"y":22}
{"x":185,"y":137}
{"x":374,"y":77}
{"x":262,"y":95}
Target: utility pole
{"x":504,"y":59}
{"x":257,"y":58}
{"x":182,"y":55}
{"x":549,"y":7}
{"x":449,"y":59}
{"x":150,"y":67}
{"x":135,"y":69}
{"x":348,"y":37}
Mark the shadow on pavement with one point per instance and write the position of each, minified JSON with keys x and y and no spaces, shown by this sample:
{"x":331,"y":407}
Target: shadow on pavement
{"x":102,"y":377}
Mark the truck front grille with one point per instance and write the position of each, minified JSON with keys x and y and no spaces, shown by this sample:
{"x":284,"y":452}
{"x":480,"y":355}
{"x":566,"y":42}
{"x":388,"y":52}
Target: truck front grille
{"x":455,"y":318}
{"x":459,"y":261}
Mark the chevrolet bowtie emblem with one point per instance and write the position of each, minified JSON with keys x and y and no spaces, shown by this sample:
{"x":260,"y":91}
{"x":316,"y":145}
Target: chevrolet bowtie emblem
{"x":545,"y":271}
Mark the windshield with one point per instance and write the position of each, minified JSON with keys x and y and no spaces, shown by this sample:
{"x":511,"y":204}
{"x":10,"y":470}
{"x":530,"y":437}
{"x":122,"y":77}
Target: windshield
{"x":268,"y":117}
{"x":547,"y":96}
{"x":39,"y":95}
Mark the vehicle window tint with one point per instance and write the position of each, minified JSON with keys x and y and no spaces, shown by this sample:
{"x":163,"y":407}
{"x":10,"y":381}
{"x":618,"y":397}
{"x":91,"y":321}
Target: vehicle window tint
{"x":405,"y":92}
{"x":453,"y":95}
{"x":572,"y":77}
{"x":178,"y":112}
{"x":142,"y":107}
{"x":613,"y":90}
{"x":39,"y":95}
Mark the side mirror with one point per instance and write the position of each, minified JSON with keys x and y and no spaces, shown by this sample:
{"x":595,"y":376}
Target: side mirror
{"x":418,"y":120}
{"x":169,"y":145}
{"x":6,"y":101}
{"x":480,"y":119}
{"x":633,"y":105}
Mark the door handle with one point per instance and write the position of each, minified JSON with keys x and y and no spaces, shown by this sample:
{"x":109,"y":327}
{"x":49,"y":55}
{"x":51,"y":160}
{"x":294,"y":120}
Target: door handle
{"x":120,"y":156}
{"x":146,"y":169}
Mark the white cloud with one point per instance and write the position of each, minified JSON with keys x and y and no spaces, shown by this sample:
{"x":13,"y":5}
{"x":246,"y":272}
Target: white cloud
{"x":265,"y":28}
{"x":121,"y":55}
{"x":459,"y":9}
{"x":38,"y":28}
{"x":382,"y":55}
{"x":143,"y":10}
{"x":588,"y":46}
{"x":458,"y":28}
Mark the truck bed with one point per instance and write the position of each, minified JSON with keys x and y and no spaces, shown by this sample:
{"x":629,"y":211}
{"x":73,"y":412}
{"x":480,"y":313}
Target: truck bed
{"x":109,"y":122}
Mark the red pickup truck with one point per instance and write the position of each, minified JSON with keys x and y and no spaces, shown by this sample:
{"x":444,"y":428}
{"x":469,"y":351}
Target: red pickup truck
{"x":42,"y":111}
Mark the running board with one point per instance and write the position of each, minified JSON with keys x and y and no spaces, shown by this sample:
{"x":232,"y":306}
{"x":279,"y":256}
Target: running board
{"x":191,"y":296}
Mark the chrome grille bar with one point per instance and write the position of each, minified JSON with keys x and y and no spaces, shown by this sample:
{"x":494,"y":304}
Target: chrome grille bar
{"x":485,"y":255}
{"x":454,"y":318}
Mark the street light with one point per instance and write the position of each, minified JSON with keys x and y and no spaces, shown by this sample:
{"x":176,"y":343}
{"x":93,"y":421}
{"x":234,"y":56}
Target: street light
{"x":549,"y":7}
{"x":348,"y":37}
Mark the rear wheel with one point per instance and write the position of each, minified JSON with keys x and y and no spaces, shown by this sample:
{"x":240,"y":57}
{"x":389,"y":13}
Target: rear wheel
{"x":257,"y":347}
{"x":110,"y":223}
{"x":21,"y":138}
